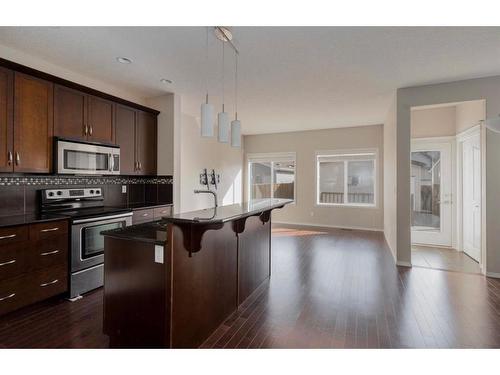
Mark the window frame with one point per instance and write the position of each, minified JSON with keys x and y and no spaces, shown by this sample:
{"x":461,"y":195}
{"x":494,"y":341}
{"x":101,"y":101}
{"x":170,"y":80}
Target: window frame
{"x":347,"y":153}
{"x":271,"y":158}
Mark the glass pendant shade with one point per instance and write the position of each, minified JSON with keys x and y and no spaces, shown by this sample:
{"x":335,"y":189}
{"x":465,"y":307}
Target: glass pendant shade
{"x":236,"y":133}
{"x":223,"y":125}
{"x":493,"y":124}
{"x":207,"y":120}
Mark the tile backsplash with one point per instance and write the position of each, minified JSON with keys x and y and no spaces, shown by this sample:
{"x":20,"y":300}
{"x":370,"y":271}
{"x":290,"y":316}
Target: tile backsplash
{"x":19,"y":194}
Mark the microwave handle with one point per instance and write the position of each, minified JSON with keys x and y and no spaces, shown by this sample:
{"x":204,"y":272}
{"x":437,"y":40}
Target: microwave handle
{"x":111,"y":162}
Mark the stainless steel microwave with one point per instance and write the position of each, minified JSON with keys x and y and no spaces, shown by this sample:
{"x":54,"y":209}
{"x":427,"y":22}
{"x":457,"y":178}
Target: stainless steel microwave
{"x":75,"y":157}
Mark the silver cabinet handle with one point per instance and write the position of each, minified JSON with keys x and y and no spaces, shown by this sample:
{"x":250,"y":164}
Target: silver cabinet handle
{"x":49,"y":253}
{"x":140,"y":165}
{"x":18,"y":158}
{"x":85,"y":129}
{"x":90,"y":129}
{"x":9,"y":262}
{"x":49,"y":283}
{"x":145,"y":215}
{"x":9,"y":158}
{"x":7,"y":297}
{"x":50,"y":229}
{"x":8,"y":236}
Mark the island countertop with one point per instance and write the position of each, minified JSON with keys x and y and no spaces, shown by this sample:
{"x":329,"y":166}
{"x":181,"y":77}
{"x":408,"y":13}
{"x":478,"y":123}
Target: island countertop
{"x":227,"y":213}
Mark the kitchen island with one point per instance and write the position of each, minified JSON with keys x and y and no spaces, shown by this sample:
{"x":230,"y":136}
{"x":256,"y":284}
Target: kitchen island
{"x":171,"y":283}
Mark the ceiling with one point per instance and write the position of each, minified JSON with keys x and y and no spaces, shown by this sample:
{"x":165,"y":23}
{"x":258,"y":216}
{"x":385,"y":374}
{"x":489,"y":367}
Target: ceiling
{"x":291,"y":78}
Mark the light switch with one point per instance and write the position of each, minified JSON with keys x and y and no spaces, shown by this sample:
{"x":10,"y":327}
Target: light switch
{"x":124,"y":189}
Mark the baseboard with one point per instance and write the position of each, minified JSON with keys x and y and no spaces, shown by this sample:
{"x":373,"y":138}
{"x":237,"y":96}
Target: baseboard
{"x":495,"y":275}
{"x":328,"y":226}
{"x":403,"y":263}
{"x":393,"y":253}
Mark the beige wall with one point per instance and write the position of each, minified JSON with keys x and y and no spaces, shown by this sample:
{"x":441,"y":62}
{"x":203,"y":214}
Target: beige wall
{"x":469,"y":114}
{"x":433,"y":122}
{"x":390,"y":184}
{"x":305,"y":144}
{"x":487,"y":88}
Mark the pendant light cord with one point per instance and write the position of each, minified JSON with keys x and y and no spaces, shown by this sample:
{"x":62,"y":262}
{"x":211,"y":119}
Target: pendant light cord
{"x":222,"y":76}
{"x":236,"y":87}
{"x":206,"y":64}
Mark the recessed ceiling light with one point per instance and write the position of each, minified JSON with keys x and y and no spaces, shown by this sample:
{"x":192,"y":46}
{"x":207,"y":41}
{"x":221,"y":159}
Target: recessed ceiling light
{"x":123,"y":60}
{"x":164,"y":80}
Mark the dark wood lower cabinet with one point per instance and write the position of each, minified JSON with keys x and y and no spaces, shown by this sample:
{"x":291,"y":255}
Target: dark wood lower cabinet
{"x":33,"y":263}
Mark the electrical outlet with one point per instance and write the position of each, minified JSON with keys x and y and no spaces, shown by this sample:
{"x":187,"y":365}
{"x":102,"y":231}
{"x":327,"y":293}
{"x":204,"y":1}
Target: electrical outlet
{"x":124,"y":189}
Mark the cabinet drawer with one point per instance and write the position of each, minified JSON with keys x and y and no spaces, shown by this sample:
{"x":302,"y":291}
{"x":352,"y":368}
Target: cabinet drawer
{"x":48,"y":282}
{"x":159,"y":212}
{"x":49,"y":253}
{"x":142,"y":216}
{"x":13,"y":234}
{"x":13,"y":259}
{"x":48,"y":230}
{"x":14,"y":293}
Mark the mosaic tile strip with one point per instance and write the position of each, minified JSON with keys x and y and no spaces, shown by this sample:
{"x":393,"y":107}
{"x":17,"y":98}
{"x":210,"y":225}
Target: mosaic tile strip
{"x":82,"y":180}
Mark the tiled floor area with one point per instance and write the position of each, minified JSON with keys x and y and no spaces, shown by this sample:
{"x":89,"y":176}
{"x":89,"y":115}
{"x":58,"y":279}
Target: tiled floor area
{"x":443,"y":259}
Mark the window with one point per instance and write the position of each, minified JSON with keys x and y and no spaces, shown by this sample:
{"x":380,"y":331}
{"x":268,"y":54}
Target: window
{"x":271,"y":176}
{"x":346,"y":178}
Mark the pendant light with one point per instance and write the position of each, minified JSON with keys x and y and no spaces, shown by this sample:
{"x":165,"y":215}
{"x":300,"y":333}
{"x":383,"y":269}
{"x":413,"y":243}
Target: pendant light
{"x":223,"y":117}
{"x":236,"y":124}
{"x":207,"y":110}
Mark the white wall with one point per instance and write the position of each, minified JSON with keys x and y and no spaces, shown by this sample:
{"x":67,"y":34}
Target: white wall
{"x":305,"y":144}
{"x":487,"y":88}
{"x":390,"y":179}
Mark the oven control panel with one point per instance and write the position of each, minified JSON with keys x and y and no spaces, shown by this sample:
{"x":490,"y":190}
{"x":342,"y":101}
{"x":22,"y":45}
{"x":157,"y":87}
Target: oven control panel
{"x":72,"y":193}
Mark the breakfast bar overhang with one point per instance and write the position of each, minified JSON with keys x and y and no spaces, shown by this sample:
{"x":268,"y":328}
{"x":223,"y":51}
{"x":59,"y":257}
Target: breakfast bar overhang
{"x":171,"y":283}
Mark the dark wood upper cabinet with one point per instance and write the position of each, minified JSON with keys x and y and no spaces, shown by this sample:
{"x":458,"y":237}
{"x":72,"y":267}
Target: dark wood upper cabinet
{"x":70,"y":114}
{"x":82,"y":116}
{"x":33,"y":124}
{"x":6,"y":120}
{"x":125,"y":120}
{"x":100,"y":119}
{"x":146,"y":140}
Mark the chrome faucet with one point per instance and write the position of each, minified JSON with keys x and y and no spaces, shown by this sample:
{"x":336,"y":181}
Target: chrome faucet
{"x":208,"y":191}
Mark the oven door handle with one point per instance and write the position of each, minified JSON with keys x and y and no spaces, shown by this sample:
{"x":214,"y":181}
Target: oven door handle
{"x":102,"y":218}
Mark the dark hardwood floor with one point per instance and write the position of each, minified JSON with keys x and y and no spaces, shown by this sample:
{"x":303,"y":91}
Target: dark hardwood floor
{"x":329,"y":289}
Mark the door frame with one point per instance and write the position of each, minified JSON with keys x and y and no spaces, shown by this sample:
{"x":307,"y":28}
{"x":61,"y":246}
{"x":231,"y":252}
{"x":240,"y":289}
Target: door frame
{"x":451,"y":142}
{"x":460,"y":139}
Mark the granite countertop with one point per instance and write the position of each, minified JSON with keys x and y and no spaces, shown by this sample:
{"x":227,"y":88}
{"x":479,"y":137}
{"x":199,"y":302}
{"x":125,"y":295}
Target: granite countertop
{"x":140,"y":206}
{"x":231,"y":212}
{"x":8,"y":221}
{"x":153,"y":231}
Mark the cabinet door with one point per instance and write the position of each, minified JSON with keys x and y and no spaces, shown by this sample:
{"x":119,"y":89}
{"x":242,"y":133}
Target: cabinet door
{"x":146,"y":143}
{"x":70,"y":116}
{"x":125,"y":120}
{"x":100,"y":112}
{"x":6,"y":118}
{"x":33,"y":124}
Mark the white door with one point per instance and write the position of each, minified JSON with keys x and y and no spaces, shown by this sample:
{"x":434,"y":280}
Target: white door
{"x":431,"y":187}
{"x":471,"y":180}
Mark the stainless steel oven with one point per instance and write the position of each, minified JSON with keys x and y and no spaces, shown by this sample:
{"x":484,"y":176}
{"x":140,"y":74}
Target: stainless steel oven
{"x":87,"y":250}
{"x":76,"y":157}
